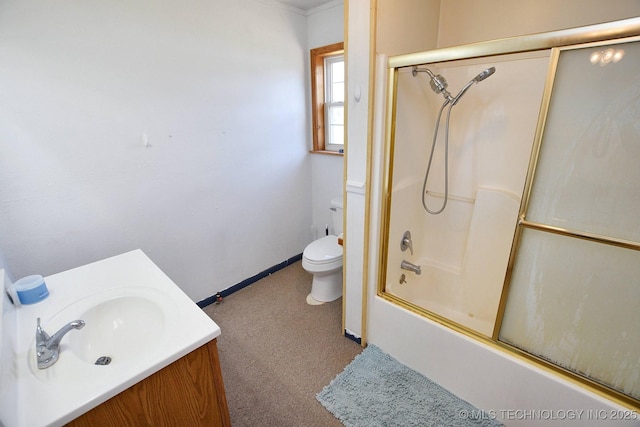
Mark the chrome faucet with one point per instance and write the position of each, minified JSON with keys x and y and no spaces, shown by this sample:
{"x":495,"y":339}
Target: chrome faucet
{"x":406,"y":265}
{"x":48,"y":347}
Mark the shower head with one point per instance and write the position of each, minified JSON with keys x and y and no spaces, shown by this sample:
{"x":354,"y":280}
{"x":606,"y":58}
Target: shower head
{"x":483,"y":75}
{"x":438,"y":83}
{"x":480,"y":77}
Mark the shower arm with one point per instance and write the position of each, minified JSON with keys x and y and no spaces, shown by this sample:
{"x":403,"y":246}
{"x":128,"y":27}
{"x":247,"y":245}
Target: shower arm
{"x":417,"y":70}
{"x":438,"y":83}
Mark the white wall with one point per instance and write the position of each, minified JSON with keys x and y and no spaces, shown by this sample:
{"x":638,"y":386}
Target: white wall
{"x":325,"y":26}
{"x":357,"y":104}
{"x":219,"y":88}
{"x":8,"y":326}
{"x":417,"y":33}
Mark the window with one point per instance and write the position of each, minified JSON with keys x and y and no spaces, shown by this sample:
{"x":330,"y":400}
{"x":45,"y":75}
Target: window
{"x":327,"y":93}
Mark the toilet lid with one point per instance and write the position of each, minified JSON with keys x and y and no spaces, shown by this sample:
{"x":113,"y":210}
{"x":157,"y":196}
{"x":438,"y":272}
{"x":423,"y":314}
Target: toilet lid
{"x":324,"y":249}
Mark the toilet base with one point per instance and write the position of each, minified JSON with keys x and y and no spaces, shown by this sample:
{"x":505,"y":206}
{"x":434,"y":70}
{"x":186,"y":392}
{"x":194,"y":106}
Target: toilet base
{"x":326,"y":287}
{"x":312,"y":301}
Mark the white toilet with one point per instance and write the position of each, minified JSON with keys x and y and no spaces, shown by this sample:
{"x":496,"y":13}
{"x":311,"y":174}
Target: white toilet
{"x":323,"y":259}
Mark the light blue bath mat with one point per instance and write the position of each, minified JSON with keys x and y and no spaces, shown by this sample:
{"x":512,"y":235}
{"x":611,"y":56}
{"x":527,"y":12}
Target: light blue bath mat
{"x":377,"y":390}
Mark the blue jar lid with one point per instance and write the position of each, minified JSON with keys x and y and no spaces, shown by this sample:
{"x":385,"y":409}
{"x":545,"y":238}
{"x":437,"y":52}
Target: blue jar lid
{"x":31,"y":289}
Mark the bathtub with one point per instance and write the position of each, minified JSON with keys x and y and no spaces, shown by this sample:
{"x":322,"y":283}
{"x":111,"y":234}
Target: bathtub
{"x":463,"y":256}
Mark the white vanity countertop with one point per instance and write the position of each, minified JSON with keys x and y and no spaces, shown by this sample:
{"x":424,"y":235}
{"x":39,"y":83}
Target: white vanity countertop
{"x":71,"y":387}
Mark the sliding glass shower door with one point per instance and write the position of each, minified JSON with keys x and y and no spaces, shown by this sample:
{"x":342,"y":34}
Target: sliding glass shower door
{"x":574,"y":293}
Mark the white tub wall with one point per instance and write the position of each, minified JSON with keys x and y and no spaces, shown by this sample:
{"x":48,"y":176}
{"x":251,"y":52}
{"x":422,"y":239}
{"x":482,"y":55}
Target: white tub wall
{"x":407,"y":184}
{"x":463,"y":251}
{"x":483,"y":376}
{"x":488,"y":247}
{"x":413,"y":141}
{"x":489,"y":141}
{"x":219,"y":87}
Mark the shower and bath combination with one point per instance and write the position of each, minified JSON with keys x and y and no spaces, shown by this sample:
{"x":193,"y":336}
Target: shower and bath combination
{"x":439,"y":85}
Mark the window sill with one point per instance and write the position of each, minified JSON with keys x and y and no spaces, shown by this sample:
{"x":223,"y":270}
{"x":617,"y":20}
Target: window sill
{"x":331,"y":153}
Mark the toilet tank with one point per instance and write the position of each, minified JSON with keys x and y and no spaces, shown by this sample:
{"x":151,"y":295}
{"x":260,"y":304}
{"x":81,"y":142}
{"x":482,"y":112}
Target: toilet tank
{"x":336,"y":214}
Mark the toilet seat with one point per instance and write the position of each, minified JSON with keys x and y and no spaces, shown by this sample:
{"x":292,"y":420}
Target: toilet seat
{"x":323,"y":254}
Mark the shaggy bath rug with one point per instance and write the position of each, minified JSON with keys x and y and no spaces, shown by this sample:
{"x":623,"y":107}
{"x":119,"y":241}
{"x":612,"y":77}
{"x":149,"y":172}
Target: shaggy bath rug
{"x":377,"y":390}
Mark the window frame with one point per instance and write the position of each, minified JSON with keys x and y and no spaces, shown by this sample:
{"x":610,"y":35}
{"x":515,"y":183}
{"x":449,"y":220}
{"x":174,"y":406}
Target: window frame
{"x":318,"y":94}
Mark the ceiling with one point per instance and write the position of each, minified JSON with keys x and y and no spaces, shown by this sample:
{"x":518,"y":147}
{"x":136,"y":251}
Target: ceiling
{"x":305,"y":4}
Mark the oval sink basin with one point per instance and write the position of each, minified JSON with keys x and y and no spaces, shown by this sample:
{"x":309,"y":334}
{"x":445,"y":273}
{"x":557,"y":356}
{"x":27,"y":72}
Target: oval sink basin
{"x":137,"y":322}
{"x":120,"y":329}
{"x":124,"y":327}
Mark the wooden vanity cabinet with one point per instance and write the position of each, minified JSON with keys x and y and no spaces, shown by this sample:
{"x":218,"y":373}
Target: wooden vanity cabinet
{"x":188,"y":392}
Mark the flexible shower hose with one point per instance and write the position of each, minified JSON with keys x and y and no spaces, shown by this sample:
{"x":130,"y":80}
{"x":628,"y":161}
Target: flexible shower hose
{"x":446,"y":161}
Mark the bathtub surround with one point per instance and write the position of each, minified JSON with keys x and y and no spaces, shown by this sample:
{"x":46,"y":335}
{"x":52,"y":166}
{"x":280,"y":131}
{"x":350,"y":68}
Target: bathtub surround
{"x":377,"y":390}
{"x":463,"y":251}
{"x":593,"y":125}
{"x":487,"y":378}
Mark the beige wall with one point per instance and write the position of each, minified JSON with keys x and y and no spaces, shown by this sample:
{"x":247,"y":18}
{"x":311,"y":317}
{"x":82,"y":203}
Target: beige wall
{"x":406,"y":26}
{"x":469,"y":21}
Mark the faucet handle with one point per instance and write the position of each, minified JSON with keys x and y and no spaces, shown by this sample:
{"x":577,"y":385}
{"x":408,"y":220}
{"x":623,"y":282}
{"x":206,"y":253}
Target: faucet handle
{"x":406,"y":242}
{"x":48,"y":347}
{"x":41,"y":335}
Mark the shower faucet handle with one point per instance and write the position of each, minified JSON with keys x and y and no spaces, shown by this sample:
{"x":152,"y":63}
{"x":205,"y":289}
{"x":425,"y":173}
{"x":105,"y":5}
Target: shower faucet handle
{"x":406,"y":242}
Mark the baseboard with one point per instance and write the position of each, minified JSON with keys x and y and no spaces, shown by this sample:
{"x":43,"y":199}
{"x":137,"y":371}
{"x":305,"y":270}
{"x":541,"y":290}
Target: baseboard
{"x":246,"y":282}
{"x":352,"y":337}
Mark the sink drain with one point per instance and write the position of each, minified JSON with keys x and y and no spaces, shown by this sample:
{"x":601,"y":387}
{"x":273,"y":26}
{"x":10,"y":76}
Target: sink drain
{"x":103,"y":360}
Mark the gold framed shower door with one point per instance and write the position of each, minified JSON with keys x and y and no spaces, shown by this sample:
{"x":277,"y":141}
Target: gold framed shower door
{"x":579,"y":38}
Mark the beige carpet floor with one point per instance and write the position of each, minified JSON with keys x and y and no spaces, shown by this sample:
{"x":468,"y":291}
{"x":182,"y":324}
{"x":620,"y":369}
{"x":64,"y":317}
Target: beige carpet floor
{"x":277,"y":351}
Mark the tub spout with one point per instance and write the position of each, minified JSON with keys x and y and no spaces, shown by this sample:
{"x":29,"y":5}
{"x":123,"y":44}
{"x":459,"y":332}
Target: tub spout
{"x":406,"y":265}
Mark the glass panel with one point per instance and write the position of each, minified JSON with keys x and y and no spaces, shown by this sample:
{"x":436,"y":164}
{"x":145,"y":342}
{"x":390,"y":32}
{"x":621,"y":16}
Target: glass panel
{"x":335,"y":124}
{"x":337,"y":92}
{"x":337,"y":134}
{"x":462,"y":252}
{"x":337,"y":80}
{"x":334,"y":78}
{"x":336,"y":115}
{"x":588,"y":178}
{"x":337,"y":71}
{"x":575,"y":303}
